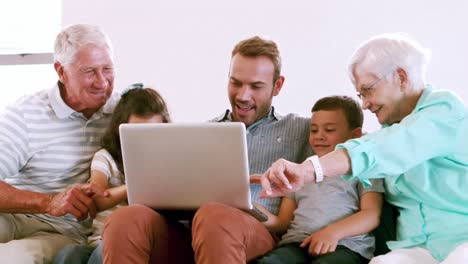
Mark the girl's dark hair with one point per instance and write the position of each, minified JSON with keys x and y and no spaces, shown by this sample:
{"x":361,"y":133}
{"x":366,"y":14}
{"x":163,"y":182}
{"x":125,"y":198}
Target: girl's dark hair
{"x":350,"y":107}
{"x":141,"y":102}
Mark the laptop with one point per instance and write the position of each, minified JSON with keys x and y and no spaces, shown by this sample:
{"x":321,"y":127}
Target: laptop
{"x":182,"y":166}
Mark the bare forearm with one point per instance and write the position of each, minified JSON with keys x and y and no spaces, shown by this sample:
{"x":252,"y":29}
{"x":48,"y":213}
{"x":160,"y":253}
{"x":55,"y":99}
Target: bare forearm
{"x":275,"y":223}
{"x":336,"y":163}
{"x":18,"y":201}
{"x":359,"y":223}
{"x":364,"y":221}
{"x":279,"y":223}
{"x":116,"y":196}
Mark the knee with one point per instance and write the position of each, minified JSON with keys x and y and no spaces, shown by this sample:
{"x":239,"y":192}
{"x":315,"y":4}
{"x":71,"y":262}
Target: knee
{"x":382,"y":259}
{"x":214,"y":220}
{"x":72,"y":253}
{"x":213,"y":213}
{"x":16,"y":254}
{"x":134,"y":219}
{"x":6,"y":228}
{"x":25,"y":259}
{"x":96,"y":255}
{"x":128,"y":217}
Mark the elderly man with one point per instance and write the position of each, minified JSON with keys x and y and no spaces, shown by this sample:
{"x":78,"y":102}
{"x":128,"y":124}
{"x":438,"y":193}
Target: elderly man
{"x":47,"y":141}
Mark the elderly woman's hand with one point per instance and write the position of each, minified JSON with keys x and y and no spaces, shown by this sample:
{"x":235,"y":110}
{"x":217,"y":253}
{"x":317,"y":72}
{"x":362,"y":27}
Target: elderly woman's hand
{"x":284,"y":177}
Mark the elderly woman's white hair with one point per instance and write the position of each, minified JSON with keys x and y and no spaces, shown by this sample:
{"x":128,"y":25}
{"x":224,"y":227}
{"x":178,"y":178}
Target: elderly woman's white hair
{"x":69,"y":41}
{"x":383,"y":54}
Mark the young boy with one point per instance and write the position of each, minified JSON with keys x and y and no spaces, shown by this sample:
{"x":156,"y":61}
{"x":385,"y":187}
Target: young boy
{"x":333,"y":218}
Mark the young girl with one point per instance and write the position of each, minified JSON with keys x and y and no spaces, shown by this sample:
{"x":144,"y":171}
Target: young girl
{"x":137,"y":105}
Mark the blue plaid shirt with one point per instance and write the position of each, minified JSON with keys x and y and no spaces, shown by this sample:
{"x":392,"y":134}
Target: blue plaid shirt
{"x":270,"y":139}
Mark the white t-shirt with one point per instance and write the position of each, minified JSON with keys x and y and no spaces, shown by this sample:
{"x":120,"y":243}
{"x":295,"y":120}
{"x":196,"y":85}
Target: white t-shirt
{"x":103,"y":162}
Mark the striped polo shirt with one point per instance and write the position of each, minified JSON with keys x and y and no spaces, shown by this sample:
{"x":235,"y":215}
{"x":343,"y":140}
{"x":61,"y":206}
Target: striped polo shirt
{"x":270,"y":139}
{"x":47,"y":147}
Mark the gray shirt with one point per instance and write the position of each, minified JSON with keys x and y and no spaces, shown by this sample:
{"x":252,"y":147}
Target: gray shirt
{"x":326,"y":202}
{"x":270,"y":139}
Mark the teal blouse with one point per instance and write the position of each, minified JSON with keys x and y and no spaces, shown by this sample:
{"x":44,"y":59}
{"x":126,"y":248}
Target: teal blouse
{"x":424,"y":160}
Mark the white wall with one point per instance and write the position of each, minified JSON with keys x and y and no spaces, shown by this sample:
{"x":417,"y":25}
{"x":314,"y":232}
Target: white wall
{"x":182,"y":48}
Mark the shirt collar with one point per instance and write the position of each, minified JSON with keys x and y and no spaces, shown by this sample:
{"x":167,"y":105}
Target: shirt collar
{"x":426,"y":91}
{"x":62,"y":110}
{"x":227,"y":116}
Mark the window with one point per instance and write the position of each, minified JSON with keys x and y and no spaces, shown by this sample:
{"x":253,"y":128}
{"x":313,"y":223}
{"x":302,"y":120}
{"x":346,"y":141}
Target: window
{"x":28,"y":29}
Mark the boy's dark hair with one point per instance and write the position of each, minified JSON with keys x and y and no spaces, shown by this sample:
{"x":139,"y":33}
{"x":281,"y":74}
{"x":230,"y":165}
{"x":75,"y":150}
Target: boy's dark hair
{"x":141,"y":102}
{"x":350,"y":107}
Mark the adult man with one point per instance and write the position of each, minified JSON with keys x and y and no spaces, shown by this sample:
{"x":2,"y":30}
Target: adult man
{"x":48,"y":140}
{"x":137,"y":234}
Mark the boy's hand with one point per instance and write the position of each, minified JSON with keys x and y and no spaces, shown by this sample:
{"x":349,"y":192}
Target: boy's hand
{"x":255,"y":179}
{"x":321,"y":242}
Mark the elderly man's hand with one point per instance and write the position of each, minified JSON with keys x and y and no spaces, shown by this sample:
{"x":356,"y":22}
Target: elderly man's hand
{"x":284,"y":177}
{"x":76,"y":201}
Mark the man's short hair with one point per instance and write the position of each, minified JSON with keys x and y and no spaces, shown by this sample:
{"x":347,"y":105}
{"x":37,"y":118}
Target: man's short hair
{"x":350,"y":107}
{"x":73,"y":37}
{"x":256,"y":47}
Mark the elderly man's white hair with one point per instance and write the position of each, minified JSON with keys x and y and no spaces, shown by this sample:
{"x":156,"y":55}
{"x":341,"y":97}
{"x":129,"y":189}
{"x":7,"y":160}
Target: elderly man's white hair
{"x":382,"y":54}
{"x":69,"y":41}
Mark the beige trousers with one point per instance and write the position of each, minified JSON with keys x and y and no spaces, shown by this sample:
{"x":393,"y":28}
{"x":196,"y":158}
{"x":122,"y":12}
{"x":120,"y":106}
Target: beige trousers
{"x":27,"y":240}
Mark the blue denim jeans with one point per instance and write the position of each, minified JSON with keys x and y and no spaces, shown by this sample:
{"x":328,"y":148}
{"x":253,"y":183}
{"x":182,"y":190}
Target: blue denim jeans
{"x":79,"y":254}
{"x":292,"y":253}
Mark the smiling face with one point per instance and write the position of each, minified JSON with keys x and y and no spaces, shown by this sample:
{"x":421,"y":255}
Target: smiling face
{"x":385,"y":99}
{"x":251,"y":88}
{"x":88,"y":81}
{"x":329,"y":128}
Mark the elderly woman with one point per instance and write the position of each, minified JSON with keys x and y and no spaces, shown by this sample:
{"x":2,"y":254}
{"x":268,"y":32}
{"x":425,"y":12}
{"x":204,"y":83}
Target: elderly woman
{"x":421,"y":151}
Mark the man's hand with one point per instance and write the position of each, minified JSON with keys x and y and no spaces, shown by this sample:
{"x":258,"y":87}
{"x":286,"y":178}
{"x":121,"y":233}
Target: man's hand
{"x":285,"y":177}
{"x":76,"y":201}
{"x":321,"y":242}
